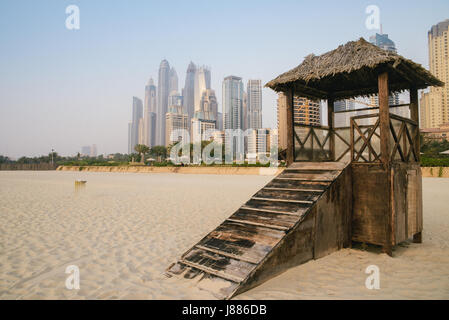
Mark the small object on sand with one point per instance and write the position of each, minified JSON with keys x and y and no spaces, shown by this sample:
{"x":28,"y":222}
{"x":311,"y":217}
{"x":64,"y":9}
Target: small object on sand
{"x":80,"y":184}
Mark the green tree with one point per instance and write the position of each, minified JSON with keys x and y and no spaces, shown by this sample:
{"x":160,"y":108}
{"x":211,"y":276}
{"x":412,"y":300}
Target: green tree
{"x":142,"y":149}
{"x":160,"y":152}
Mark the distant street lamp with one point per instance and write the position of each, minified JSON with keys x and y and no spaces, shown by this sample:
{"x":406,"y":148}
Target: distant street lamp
{"x":52,"y":151}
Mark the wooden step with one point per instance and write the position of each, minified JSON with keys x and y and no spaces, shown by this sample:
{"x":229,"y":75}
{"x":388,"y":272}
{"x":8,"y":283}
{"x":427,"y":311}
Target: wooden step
{"x":287,"y":195}
{"x":270,"y":226}
{"x":246,"y":241}
{"x":282,"y":200}
{"x":211,"y":271}
{"x":303,"y":179}
{"x":269,"y":211}
{"x":290,"y":207}
{"x":226,"y":254}
{"x":270,"y":220}
{"x":228,"y":268}
{"x":292,"y":189}
{"x":295,"y":184}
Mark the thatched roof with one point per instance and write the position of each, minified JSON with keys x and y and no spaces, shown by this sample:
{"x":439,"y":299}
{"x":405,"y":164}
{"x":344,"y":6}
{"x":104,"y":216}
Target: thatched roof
{"x":352,"y":70}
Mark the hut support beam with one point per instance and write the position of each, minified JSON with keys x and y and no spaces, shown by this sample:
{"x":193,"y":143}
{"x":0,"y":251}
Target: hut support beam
{"x":290,"y":127}
{"x":384,"y":123}
{"x":414,"y":115}
{"x":330,"y":120}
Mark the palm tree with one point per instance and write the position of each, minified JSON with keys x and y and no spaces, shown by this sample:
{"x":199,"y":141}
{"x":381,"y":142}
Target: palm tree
{"x":142,"y":150}
{"x":159,"y":151}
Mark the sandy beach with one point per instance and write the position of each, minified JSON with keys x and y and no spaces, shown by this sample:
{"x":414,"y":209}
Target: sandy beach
{"x":123,"y":229}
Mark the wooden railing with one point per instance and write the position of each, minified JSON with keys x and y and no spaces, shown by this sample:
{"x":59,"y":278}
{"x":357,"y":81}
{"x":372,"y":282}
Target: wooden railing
{"x":365,"y":139}
{"x":405,"y":134}
{"x":312,"y":143}
{"x":359,"y":143}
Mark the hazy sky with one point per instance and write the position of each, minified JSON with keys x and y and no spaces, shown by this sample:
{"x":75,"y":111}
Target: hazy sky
{"x":63,"y":88}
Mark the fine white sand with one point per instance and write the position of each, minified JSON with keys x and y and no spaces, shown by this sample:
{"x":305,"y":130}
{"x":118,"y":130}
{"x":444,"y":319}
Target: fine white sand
{"x":123,"y":229}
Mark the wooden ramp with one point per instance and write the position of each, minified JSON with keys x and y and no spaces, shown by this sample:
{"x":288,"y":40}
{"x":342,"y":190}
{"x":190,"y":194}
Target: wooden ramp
{"x":303,"y":213}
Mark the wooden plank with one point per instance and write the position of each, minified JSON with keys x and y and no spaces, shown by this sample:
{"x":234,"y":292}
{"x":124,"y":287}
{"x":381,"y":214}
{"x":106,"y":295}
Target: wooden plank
{"x":278,"y":206}
{"x":305,"y":179}
{"x":209,"y":270}
{"x":269,"y":226}
{"x":293,"y":189}
{"x":283,"y":200}
{"x":226,"y":254}
{"x":273,"y":219}
{"x":289,"y":194}
{"x":269,"y":211}
{"x":313,"y":185}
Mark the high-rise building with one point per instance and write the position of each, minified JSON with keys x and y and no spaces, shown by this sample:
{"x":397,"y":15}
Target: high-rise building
{"x":174,"y":99}
{"x":202,"y":83}
{"x":162,"y":100}
{"x":188,"y":93}
{"x":208,"y":109}
{"x":232,"y":102}
{"x":200,"y":127}
{"x":435,"y":103}
{"x":130,"y":134}
{"x":175,"y":119}
{"x":141,"y":138}
{"x":219,"y":121}
{"x":245,"y":111}
{"x":305,"y":111}
{"x":149,"y":116}
{"x":254,"y":104}
{"x":382,"y":41}
{"x":258,"y":143}
{"x":136,"y":116}
{"x":173,"y":80}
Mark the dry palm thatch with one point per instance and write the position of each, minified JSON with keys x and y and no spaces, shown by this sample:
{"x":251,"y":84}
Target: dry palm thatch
{"x":352,"y":70}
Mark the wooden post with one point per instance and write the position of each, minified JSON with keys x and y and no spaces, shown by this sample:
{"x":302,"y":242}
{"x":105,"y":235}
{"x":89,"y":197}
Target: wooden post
{"x":290,"y":128}
{"x":414,"y":115}
{"x":384,"y":124}
{"x":330,"y":123}
{"x":384,"y":119}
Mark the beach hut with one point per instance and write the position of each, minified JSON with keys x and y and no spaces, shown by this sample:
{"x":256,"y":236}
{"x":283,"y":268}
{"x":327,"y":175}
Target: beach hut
{"x":343,"y":183}
{"x":384,"y":153}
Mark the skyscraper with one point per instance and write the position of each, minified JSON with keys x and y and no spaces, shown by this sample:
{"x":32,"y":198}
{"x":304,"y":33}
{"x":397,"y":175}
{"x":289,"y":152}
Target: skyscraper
{"x":254,"y":104}
{"x":162,"y":100}
{"x":208,"y":108}
{"x":188,"y":92}
{"x":136,"y":116}
{"x":435,"y":103}
{"x":175,"y":119}
{"x":382,"y":41}
{"x":232,"y":102}
{"x":305,"y":111}
{"x":174,"y":99}
{"x":202,"y":83}
{"x":173,"y":81}
{"x":150,"y":109}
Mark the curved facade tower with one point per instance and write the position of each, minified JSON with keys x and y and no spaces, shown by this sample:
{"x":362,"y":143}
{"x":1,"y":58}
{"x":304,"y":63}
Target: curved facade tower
{"x":149,"y":115}
{"x":188,"y":92}
{"x":162,"y":100}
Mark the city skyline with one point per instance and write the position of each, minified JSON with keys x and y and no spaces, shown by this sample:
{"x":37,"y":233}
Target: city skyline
{"x":79,"y":83}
